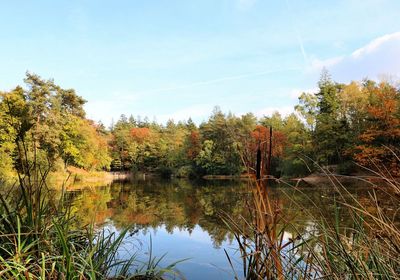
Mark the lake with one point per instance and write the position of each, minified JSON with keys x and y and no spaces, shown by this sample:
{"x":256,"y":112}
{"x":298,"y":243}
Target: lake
{"x":182,"y":219}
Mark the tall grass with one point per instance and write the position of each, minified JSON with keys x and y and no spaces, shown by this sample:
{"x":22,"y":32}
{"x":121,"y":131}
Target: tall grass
{"x":368,"y":249}
{"x":40,"y":239}
{"x":264,"y":248}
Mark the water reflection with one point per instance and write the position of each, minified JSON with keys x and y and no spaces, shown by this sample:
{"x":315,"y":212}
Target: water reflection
{"x":184,"y":218}
{"x":172,"y":204}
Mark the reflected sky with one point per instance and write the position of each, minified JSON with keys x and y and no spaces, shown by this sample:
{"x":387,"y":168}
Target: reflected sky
{"x":202,"y":260}
{"x":183,"y":218}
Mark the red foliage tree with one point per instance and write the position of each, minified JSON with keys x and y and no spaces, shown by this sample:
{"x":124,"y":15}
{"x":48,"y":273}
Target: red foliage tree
{"x":260,"y":140}
{"x":381,"y":139}
{"x":194,"y":145}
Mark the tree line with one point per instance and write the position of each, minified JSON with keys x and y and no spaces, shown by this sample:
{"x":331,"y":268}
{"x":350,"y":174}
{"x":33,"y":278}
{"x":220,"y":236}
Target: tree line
{"x":340,"y":124}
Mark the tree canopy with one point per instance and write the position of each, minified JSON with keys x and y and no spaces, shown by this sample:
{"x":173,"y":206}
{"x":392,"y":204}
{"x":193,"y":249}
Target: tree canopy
{"x":340,"y":124}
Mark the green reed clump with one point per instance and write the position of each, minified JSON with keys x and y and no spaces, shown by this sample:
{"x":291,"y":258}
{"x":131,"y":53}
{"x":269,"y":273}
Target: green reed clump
{"x":39,"y":238}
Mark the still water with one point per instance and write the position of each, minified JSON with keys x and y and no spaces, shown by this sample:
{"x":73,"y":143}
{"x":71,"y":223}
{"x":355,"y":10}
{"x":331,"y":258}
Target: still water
{"x":182,"y":219}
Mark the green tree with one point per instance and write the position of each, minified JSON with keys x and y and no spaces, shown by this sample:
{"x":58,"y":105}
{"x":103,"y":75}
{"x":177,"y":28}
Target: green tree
{"x":298,"y":149}
{"x":331,"y":131}
{"x":47,"y":123}
{"x":275,"y":120}
{"x":308,"y":109}
{"x":222,"y":131}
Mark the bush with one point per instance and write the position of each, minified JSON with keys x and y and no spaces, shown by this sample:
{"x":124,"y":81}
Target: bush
{"x":185,"y":171}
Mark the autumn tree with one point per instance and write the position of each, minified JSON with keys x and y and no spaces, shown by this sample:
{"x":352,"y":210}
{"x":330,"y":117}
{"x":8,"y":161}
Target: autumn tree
{"x":82,"y":145}
{"x":39,"y":116}
{"x":261,"y":141}
{"x":380,"y":141}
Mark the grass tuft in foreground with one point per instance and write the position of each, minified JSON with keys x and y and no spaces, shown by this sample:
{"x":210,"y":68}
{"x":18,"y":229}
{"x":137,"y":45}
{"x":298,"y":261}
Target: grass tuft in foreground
{"x":361,"y":242}
{"x":39,"y":238}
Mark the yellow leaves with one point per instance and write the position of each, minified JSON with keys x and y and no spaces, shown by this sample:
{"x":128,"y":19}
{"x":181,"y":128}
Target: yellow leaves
{"x":140,"y":134}
{"x":378,"y":148}
{"x":353,"y":98}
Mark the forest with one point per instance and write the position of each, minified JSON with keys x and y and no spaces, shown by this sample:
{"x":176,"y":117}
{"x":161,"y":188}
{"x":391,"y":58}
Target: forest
{"x":50,"y":232}
{"x":344,"y":125}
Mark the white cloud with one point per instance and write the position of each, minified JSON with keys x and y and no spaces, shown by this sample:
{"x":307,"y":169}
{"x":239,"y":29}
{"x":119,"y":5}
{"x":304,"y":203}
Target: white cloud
{"x":295,"y":93}
{"x":317,"y":65}
{"x":196,"y":112}
{"x":107,"y":108}
{"x":380,"y":57}
{"x":268,"y":111}
{"x":376,"y":45}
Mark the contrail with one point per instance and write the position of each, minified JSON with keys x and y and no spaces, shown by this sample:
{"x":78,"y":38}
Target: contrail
{"x":219,"y":80}
{"x":298,"y":36}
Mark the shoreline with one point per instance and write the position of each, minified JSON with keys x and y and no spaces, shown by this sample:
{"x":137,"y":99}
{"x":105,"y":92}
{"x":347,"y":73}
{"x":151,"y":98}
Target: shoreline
{"x":75,"y":178}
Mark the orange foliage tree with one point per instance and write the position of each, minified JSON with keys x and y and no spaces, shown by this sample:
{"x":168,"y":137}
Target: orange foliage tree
{"x":140,"y":134}
{"x":193,"y":145}
{"x":260,"y":139}
{"x":380,"y":140}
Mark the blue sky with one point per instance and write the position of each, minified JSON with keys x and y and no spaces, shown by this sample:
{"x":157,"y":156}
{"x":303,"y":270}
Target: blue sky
{"x":175,"y":59}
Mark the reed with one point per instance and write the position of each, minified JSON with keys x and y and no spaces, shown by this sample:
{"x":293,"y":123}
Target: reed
{"x":40,"y":239}
{"x":368,"y":249}
{"x":265,"y":250}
